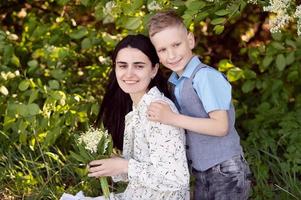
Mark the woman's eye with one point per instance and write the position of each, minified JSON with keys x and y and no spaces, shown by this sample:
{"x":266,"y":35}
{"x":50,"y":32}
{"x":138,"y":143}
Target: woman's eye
{"x":140,"y":66}
{"x":121,"y":66}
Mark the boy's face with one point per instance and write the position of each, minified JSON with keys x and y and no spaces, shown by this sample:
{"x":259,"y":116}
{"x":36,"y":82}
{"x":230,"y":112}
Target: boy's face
{"x":174,"y":47}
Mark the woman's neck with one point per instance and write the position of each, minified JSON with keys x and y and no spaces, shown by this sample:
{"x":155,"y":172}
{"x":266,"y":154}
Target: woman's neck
{"x":137,"y":97}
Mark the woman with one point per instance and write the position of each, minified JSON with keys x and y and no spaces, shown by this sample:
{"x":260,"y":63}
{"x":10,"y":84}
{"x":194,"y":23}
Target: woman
{"x":154,"y":161}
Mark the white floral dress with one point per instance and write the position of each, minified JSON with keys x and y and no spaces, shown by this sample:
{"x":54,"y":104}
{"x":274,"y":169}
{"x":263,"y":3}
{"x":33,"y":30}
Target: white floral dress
{"x":156,"y":152}
{"x":157,"y":167}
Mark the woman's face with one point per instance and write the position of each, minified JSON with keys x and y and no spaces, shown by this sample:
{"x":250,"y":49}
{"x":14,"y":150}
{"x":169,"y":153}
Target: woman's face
{"x":134,"y":72}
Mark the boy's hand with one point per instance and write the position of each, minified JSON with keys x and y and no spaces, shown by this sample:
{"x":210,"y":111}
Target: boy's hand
{"x":160,"y":111}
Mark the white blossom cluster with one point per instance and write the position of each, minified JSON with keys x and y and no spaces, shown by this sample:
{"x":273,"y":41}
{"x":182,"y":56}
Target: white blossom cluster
{"x":153,"y":6}
{"x":252,"y":1}
{"x":298,"y":17}
{"x":282,"y":17}
{"x":91,"y":138}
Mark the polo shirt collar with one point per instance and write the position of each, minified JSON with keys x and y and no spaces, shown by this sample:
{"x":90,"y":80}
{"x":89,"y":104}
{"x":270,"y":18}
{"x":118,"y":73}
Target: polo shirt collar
{"x":192,"y":64}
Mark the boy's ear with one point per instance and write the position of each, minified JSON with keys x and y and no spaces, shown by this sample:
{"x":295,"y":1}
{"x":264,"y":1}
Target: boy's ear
{"x":191,"y":40}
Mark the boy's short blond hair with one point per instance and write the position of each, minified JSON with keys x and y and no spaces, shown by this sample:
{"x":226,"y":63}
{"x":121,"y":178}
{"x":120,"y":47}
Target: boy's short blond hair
{"x":162,"y":20}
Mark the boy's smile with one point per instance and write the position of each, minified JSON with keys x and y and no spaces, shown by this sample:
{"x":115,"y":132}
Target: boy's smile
{"x":174,"y":47}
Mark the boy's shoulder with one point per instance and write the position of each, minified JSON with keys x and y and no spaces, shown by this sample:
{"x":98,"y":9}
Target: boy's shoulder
{"x":207,"y":71}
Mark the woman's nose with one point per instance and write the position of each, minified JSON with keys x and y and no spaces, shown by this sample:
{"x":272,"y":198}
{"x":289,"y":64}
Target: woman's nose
{"x":129,"y":71}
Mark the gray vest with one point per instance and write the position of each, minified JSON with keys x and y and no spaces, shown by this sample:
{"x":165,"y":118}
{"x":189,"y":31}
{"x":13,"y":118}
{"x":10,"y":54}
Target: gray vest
{"x":205,"y":151}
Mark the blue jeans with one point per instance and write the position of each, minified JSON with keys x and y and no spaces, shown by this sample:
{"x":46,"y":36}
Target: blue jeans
{"x":229,"y":180}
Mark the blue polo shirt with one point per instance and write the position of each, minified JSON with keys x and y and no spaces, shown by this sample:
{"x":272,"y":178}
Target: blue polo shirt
{"x":210,"y":85}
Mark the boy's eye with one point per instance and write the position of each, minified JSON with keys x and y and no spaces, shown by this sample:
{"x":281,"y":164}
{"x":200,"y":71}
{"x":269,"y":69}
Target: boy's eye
{"x":161,"y":50}
{"x":177,"y":44}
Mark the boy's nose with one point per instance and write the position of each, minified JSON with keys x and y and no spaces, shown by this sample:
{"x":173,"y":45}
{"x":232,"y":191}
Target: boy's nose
{"x":171,"y":54}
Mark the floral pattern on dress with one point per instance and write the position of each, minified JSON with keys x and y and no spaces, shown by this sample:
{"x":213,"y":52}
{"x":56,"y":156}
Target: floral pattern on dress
{"x":156,"y":152}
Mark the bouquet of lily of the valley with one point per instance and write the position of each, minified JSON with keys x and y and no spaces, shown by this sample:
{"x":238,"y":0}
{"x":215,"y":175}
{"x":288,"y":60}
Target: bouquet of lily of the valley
{"x":94,"y":144}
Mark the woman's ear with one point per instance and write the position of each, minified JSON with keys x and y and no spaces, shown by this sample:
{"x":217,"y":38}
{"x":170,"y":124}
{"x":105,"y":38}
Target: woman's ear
{"x":191,"y":40}
{"x":155,"y":71}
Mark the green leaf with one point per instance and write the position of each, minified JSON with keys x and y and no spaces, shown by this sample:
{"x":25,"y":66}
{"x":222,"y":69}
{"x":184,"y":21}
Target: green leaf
{"x":23,"y":85}
{"x":54,"y":84}
{"x":249,"y":74}
{"x":222,"y":12}
{"x":105,"y":187}
{"x":234,"y":74}
{"x":51,"y":136}
{"x":248,"y":86}
{"x":58,"y":74}
{"x":33,"y":96}
{"x":86,"y":2}
{"x":33,"y":109}
{"x":218,"y":29}
{"x":8,"y":54}
{"x":201,"y":16}
{"x":110,"y":145}
{"x":217,"y":21}
{"x":55,"y":157}
{"x":267,"y":61}
{"x":277,"y":36}
{"x":101,"y":146}
{"x":293,"y":75}
{"x":86,"y":43}
{"x":62,"y":2}
{"x":290,"y":58}
{"x":277,"y":45}
{"x":78,"y":34}
{"x":290,"y":43}
{"x":280,"y":62}
{"x":32,"y":63}
{"x":195,"y":5}
{"x":132,"y":23}
{"x":224,"y":65}
{"x":78,"y":157}
{"x":23,"y":137}
{"x":85,"y":153}
{"x":99,"y":15}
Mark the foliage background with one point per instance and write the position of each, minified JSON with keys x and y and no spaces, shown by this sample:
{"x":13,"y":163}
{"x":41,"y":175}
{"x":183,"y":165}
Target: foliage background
{"x":54,"y":61}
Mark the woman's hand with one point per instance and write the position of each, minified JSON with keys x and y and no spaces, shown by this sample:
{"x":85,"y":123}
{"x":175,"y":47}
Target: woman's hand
{"x":108,"y":167}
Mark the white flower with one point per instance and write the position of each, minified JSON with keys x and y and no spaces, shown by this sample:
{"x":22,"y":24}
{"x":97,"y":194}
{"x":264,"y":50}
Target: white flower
{"x":252,"y":1}
{"x":298,"y":12}
{"x":91,"y":138}
{"x":297,"y":15}
{"x":281,"y":17}
{"x":279,"y":22}
{"x":277,"y":6}
{"x":153,"y":6}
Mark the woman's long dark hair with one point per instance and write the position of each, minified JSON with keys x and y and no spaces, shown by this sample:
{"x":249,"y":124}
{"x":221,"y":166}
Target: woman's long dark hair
{"x":116,"y":103}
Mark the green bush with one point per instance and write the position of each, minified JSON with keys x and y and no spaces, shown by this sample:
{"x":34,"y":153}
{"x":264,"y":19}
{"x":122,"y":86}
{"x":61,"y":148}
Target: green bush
{"x":54,"y":61}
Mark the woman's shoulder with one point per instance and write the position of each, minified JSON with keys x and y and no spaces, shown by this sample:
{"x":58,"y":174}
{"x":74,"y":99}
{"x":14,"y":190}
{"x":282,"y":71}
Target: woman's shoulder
{"x":156,"y":95}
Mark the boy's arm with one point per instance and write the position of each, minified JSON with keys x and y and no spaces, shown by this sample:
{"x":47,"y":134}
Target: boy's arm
{"x":215,"y":125}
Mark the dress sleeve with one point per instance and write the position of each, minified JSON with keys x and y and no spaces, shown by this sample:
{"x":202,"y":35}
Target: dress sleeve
{"x":120,"y":177}
{"x":167,"y":167}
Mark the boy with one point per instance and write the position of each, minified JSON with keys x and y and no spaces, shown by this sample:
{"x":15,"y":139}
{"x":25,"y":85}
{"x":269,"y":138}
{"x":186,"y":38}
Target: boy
{"x":203,"y":96}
